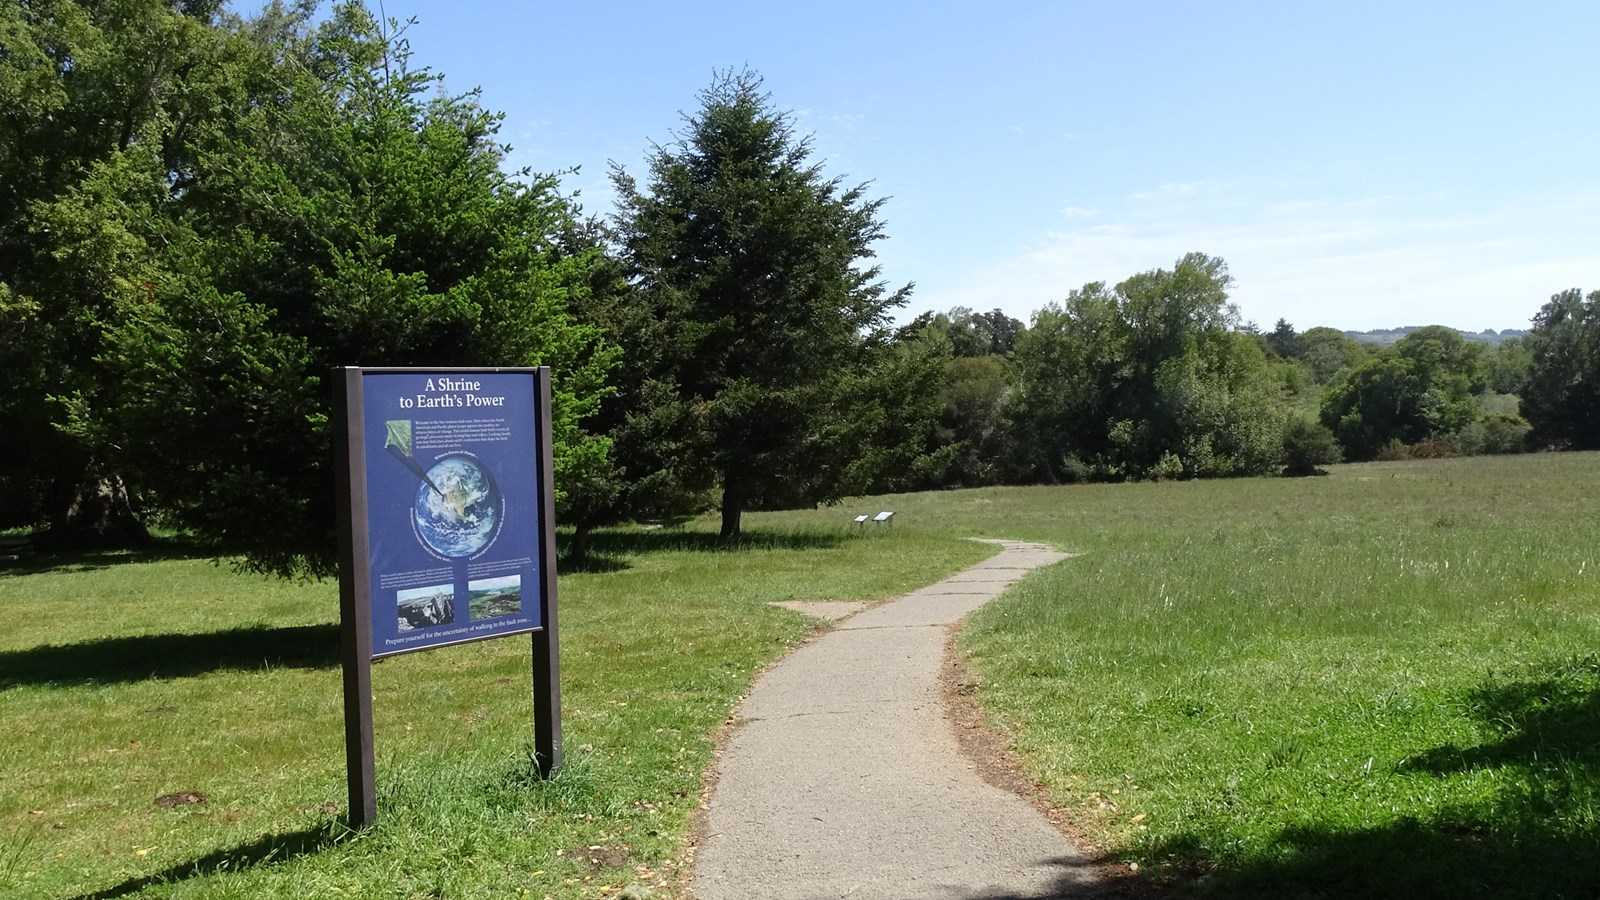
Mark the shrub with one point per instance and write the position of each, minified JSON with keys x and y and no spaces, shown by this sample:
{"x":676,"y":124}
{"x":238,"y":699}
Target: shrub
{"x":1169,"y":466}
{"x":1307,"y":445}
{"x":1433,"y":448}
{"x":1395,"y":449}
{"x":1494,"y":433}
{"x":1074,"y":469}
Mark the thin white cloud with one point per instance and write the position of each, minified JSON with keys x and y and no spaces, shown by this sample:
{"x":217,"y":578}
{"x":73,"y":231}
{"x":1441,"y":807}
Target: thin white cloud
{"x":1362,"y":262}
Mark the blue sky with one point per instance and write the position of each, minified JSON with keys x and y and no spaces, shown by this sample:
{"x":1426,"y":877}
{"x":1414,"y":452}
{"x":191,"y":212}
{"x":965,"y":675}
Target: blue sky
{"x":1358,"y":164}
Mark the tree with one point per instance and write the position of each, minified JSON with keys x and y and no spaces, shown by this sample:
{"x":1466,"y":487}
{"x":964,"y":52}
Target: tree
{"x":978,"y":334}
{"x":1494,"y":433}
{"x":1424,"y":387}
{"x":97,"y":103}
{"x":1307,"y":445}
{"x":1153,"y":378}
{"x":1510,"y":365}
{"x":973,"y":420}
{"x":1328,"y":352}
{"x":1561,"y":399}
{"x":756,"y":269}
{"x":344,"y":212}
{"x":1282,"y":340}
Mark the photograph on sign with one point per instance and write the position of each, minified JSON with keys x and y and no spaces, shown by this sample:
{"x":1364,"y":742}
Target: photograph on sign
{"x":453,"y":506}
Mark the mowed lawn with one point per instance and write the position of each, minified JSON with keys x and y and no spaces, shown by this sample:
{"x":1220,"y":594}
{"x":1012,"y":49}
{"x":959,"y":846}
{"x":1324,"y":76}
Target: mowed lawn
{"x":1384,"y":682}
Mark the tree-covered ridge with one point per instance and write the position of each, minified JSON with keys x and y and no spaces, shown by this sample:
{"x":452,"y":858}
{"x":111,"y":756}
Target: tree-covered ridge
{"x":1383,"y":337}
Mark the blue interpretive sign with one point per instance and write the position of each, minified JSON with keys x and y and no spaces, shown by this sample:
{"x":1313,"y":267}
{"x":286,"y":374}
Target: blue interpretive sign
{"x":445,"y":481}
{"x":453,"y":506}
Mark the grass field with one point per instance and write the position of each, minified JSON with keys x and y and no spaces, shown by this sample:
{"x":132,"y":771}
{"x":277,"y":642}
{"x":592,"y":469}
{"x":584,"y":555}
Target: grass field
{"x":1380,"y":683}
{"x":124,"y":680}
{"x":1385,"y":683}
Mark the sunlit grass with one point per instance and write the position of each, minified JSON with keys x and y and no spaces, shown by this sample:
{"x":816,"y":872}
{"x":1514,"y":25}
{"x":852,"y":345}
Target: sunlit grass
{"x":1379,"y":683}
{"x":127,"y":679}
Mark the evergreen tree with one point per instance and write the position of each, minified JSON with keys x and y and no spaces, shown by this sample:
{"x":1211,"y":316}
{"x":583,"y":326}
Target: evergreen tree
{"x":97,"y":104}
{"x":1282,"y":339}
{"x":771,"y":324}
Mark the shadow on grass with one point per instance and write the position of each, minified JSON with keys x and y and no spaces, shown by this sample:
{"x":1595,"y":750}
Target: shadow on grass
{"x":1550,"y":720}
{"x":268,"y":849}
{"x":142,"y":657}
{"x":34,"y":562}
{"x":1537,"y":835}
{"x":1407,"y":860}
{"x":609,"y":549}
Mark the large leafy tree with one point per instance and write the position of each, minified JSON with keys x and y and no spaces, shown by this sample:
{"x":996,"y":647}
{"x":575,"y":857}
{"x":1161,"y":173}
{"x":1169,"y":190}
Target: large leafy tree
{"x":97,"y":106}
{"x":973,"y":420}
{"x":974,"y":334}
{"x":1152,"y":378}
{"x":328,"y":205}
{"x":1425,"y":386}
{"x":1328,"y":352}
{"x":1561,"y":396}
{"x":773,"y":353}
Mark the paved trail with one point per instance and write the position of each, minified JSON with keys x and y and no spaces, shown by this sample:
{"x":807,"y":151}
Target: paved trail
{"x":843,"y":779}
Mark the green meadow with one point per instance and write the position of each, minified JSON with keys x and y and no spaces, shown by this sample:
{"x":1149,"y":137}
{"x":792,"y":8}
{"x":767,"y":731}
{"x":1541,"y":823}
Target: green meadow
{"x":1385,"y":682}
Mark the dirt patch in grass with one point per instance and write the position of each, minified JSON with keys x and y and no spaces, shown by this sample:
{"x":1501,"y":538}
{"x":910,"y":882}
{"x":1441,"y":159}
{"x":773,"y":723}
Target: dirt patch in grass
{"x":830,"y":610}
{"x":180,"y":798}
{"x":611,"y":856}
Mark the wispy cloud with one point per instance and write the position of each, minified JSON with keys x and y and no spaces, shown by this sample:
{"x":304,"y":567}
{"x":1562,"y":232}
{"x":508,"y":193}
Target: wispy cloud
{"x":1360,"y":262}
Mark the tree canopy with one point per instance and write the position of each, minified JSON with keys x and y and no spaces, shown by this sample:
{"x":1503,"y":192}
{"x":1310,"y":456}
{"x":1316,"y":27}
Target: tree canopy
{"x":1561,"y":397}
{"x":304,"y":199}
{"x":202,"y":213}
{"x":1152,"y":378}
{"x":1424,"y":387}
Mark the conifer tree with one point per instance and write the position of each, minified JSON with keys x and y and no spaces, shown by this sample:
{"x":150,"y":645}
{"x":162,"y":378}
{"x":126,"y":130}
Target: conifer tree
{"x":777,"y":371}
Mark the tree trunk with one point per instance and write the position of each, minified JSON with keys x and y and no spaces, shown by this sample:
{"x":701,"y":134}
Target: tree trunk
{"x":579,"y":551}
{"x":732,"y":507}
{"x":92,"y":513}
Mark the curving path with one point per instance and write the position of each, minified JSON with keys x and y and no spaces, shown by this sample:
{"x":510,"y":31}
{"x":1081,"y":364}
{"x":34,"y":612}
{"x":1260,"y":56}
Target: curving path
{"x":843,"y":778}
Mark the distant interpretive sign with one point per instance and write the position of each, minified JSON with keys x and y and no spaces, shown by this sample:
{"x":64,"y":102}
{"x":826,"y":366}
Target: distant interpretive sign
{"x":453,"y":507}
{"x":446,"y":532}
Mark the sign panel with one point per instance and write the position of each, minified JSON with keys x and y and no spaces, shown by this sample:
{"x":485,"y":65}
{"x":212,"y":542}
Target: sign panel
{"x":453,"y":506}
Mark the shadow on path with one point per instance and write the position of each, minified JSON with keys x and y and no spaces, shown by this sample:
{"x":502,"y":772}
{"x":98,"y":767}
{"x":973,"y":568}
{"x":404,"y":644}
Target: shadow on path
{"x":1076,"y":879}
{"x":266,"y":850}
{"x":125,"y":659}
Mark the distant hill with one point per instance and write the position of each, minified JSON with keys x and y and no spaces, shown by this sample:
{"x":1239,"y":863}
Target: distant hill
{"x":1383,"y":337}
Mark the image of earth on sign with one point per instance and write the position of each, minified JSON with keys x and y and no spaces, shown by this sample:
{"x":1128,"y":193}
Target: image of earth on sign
{"x":458,"y":514}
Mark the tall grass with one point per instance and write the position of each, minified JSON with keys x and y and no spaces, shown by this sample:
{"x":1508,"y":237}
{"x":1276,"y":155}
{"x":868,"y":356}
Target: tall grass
{"x":1381,"y":683}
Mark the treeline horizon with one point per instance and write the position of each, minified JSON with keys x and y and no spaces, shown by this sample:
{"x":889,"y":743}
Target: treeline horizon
{"x":202,"y":214}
